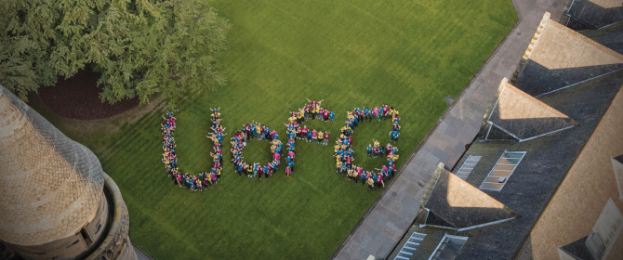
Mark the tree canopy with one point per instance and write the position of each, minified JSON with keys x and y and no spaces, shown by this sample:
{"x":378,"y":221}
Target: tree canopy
{"x":140,"y":47}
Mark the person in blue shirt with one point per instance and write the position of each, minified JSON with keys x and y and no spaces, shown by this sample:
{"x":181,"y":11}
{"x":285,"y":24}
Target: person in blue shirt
{"x":355,"y":122}
{"x":255,"y":165}
{"x":331,"y":116}
{"x":251,"y":131}
{"x":267,"y":132}
{"x":291,"y":165}
{"x":239,"y":169}
{"x":266,"y":169}
{"x":394,"y":135}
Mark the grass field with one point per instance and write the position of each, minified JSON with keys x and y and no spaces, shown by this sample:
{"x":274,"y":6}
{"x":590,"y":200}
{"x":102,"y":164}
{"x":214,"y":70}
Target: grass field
{"x":409,"y":54}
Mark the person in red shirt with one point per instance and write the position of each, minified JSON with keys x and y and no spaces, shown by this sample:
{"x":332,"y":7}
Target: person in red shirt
{"x":386,"y":110}
{"x":304,"y":132}
{"x":325,"y":115}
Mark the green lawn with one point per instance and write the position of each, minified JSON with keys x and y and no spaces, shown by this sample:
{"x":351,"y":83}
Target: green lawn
{"x":409,"y":54}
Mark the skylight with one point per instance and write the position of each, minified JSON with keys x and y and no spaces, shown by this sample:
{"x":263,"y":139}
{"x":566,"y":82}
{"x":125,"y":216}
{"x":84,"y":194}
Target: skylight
{"x":448,"y":248}
{"x":502,"y":170}
{"x":468,"y":166}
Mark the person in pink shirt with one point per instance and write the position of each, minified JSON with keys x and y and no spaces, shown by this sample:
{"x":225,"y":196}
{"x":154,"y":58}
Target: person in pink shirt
{"x":288,"y":172}
{"x":276,"y":156}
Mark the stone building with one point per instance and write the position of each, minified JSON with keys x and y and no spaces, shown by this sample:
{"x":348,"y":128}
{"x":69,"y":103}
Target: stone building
{"x":544,"y":178}
{"x":57,"y":203}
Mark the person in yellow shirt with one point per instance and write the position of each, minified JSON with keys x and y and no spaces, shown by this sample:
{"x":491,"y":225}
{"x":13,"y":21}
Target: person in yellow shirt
{"x":338,"y":165}
{"x":349,"y":174}
{"x":370,"y":183}
{"x":300,"y":116}
{"x":320,"y":136}
{"x":250,"y":171}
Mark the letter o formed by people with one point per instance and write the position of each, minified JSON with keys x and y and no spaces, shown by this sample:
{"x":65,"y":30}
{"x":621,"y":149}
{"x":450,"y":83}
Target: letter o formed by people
{"x":239,"y":142}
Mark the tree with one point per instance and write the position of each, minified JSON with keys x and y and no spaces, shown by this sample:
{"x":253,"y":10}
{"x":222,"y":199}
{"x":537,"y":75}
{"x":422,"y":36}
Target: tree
{"x":139,"y":47}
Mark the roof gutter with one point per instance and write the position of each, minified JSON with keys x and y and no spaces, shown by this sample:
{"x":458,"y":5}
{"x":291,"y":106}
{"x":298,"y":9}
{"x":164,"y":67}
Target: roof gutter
{"x":486,"y":224}
{"x":468,"y":228}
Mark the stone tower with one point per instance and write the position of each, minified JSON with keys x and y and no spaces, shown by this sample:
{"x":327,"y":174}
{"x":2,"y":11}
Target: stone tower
{"x":55,"y":200}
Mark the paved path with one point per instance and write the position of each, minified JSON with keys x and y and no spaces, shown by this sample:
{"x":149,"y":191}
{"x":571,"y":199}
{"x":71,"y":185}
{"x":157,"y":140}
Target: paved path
{"x":380,"y":229}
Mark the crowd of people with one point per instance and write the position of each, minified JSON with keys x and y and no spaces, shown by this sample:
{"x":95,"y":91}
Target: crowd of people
{"x":312,"y":110}
{"x":205,"y":179}
{"x":261,"y":132}
{"x":344,"y":152}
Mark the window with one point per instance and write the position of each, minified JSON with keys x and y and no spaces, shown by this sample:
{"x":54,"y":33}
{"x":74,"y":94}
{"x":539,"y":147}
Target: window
{"x":502,"y":170}
{"x":605,"y":231}
{"x":618,"y":173}
{"x":468,"y":166}
{"x":448,"y":248}
{"x":86,"y":237}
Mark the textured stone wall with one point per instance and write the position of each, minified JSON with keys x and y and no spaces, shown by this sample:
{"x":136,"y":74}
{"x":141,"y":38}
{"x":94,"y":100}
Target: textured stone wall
{"x":50,"y":185}
{"x":117,"y":243}
{"x":52,"y":188}
{"x":72,"y":247}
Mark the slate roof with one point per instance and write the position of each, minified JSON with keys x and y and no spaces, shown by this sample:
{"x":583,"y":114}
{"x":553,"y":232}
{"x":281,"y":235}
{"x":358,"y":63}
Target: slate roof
{"x":593,"y":14}
{"x":525,"y":117}
{"x":558,"y":57}
{"x":455,"y":203}
{"x":611,"y":37}
{"x":578,"y":249}
{"x":536,"y":178}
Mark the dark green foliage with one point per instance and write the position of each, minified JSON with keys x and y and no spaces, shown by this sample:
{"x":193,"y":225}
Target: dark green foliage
{"x":140,"y":47}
